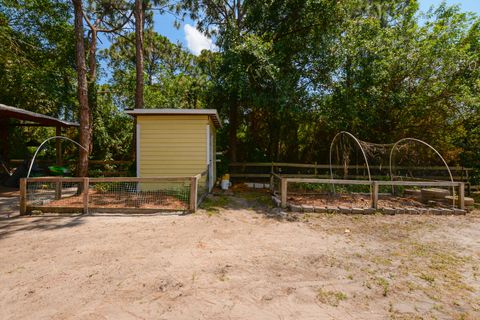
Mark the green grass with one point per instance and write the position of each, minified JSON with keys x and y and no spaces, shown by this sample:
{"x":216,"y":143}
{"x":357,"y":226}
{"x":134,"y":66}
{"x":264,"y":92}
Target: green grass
{"x":332,"y":298}
{"x":258,"y":197}
{"x":476,"y":198}
{"x":384,"y":284}
{"x":428,"y":278}
{"x":327,"y":188}
{"x":213,"y":204}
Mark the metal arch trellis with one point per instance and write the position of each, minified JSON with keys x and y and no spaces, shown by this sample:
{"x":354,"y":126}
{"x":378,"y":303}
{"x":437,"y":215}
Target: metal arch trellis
{"x":394,"y":145}
{"x":361,"y":148}
{"x":429,"y":146}
{"x":424,"y":143}
{"x":45,"y":141}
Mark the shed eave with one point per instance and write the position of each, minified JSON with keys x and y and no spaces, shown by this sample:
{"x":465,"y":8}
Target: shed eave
{"x":212,"y":113}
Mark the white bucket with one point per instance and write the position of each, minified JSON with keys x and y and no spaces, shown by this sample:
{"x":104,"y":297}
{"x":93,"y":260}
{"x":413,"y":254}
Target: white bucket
{"x":225,"y":184}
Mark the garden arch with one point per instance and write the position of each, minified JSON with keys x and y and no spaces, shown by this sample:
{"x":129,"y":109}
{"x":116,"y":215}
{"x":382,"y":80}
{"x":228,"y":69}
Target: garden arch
{"x":421,"y":142}
{"x":357,"y":141}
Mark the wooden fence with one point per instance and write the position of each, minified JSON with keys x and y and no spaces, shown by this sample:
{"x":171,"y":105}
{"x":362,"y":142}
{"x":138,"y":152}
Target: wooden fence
{"x":107,"y":168}
{"x":264,"y":170}
{"x":284,"y":181}
{"x":109,"y":195}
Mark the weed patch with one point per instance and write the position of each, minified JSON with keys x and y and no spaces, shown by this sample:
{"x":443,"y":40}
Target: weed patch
{"x":332,"y":298}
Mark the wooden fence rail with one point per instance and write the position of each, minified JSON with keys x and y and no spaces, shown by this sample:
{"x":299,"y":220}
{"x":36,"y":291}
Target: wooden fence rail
{"x":374,"y":187}
{"x":264,"y":170}
{"x":327,"y":166}
{"x":91,"y":162}
{"x":83,"y":192}
{"x":107,"y":168}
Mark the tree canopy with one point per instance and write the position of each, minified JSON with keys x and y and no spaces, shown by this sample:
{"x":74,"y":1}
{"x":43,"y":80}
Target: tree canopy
{"x":287,"y":75}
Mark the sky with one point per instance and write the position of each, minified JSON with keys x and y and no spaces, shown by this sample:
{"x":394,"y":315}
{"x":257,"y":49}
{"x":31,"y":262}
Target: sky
{"x":466,"y":5}
{"x":192,"y":39}
{"x":195,"y":41}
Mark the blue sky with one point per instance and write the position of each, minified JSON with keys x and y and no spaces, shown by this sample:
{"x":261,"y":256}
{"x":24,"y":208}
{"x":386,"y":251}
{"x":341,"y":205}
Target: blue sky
{"x":164,"y":24}
{"x":466,"y":5}
{"x":190,"y":38}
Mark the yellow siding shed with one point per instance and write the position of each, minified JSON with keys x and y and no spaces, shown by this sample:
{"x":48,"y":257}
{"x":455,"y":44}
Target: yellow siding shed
{"x":175,"y":142}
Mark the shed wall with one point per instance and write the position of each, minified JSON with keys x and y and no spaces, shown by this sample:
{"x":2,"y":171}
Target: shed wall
{"x":171,"y":145}
{"x":214,"y":131}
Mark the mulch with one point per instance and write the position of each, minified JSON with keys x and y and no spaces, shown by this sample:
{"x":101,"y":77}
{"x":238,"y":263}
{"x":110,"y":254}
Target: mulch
{"x":121,"y":200}
{"x":353,"y":201}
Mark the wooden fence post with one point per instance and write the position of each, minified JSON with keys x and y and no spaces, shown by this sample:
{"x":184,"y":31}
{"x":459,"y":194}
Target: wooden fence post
{"x":315,"y":170}
{"x":193,"y":193}
{"x":271,"y":177}
{"x":374,"y":195}
{"x":86,"y":183}
{"x":23,"y":196}
{"x":461,"y":195}
{"x":283,"y":192}
{"x":58,"y":190}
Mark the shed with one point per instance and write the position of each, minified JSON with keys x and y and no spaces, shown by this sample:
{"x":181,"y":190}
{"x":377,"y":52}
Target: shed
{"x":176,"y":142}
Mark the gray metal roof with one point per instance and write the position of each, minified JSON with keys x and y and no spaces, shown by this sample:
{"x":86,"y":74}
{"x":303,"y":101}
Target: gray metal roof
{"x":212,"y":113}
{"x":21,"y":114}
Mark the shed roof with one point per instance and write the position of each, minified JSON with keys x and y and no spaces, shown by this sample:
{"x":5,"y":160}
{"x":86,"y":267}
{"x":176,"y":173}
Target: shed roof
{"x":212,"y":113}
{"x":21,"y":114}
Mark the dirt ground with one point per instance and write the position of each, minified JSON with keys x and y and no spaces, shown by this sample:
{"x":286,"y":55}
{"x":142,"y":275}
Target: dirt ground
{"x":8,"y":202}
{"x":234,"y":260}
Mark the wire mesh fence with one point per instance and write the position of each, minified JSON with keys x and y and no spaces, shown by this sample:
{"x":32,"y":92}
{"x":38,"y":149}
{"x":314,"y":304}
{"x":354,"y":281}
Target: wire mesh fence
{"x":45,"y":193}
{"x":58,"y":194}
{"x":275,"y":186}
{"x":202,"y":186}
{"x":168,"y":195}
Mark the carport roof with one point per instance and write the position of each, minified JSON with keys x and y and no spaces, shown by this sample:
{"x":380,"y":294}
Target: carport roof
{"x":21,"y":114}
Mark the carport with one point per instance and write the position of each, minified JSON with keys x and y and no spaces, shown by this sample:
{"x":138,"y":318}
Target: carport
{"x":16,"y":117}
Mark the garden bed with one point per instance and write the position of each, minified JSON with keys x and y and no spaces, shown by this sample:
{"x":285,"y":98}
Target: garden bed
{"x":355,"y":201}
{"x":361,"y":204}
{"x":124,"y":200}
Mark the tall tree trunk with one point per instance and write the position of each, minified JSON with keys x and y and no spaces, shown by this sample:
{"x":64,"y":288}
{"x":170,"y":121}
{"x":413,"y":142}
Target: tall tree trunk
{"x":92,"y":82}
{"x":139,"y":20}
{"x":82,"y":89}
{"x":92,"y":59}
{"x":232,"y":134}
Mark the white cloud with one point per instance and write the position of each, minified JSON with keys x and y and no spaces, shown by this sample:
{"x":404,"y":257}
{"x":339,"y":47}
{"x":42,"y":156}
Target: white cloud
{"x":197,"y":41}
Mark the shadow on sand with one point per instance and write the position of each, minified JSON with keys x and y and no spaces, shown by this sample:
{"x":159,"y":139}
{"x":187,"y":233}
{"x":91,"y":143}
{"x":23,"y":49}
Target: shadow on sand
{"x":258,"y":202}
{"x":40,"y":223}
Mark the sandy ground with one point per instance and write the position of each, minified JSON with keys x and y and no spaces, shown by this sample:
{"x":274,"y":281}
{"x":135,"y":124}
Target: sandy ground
{"x":8,"y":202}
{"x":238,"y":262}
